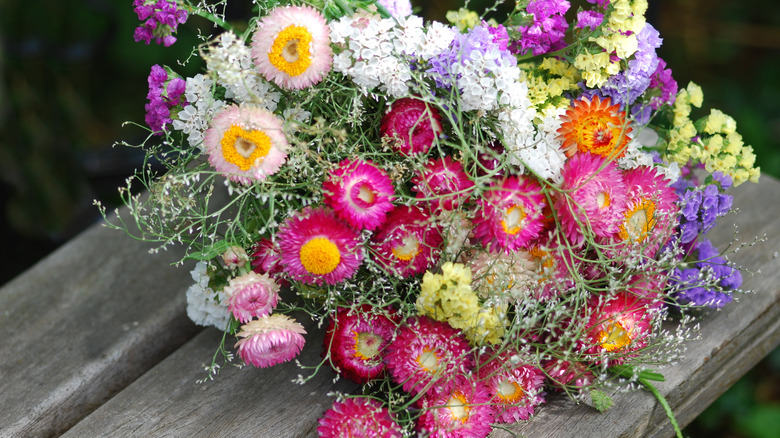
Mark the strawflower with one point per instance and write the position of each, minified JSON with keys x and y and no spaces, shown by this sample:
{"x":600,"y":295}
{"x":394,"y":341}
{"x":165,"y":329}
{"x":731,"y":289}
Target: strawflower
{"x":460,"y":411}
{"x":358,"y":417}
{"x":411,"y":126}
{"x":407,"y":243}
{"x":269,"y":341}
{"x":251,"y":296}
{"x":516,"y":388}
{"x":596,"y":126}
{"x":360,"y":193}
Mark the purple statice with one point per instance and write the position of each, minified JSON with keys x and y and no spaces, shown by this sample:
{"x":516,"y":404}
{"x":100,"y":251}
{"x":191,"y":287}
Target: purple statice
{"x":663,"y":85}
{"x":590,"y":19}
{"x":602,"y":3}
{"x":160,"y":20}
{"x":164,"y":95}
{"x":445,"y":67}
{"x":625,"y":87}
{"x":709,"y":281}
{"x":397,"y":8}
{"x":546,"y":32}
{"x":701,"y":207}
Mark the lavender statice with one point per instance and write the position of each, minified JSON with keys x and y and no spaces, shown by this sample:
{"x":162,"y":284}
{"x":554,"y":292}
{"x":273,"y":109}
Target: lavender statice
{"x":663,"y":86}
{"x":164,"y":95}
{"x":701,"y":207}
{"x":547,"y":31}
{"x":625,"y":87}
{"x":709,"y":281}
{"x":160,"y":20}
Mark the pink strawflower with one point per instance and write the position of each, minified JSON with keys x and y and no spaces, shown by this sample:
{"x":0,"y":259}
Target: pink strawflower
{"x":270,"y":341}
{"x":251,"y":296}
{"x":291,"y":47}
{"x":359,"y":193}
{"x":246,"y":143}
{"x":443,"y":184}
{"x":356,"y":340}
{"x":650,"y":216}
{"x":412,"y":125}
{"x":564,"y":373}
{"x":316,"y":247}
{"x":617,"y":325}
{"x":515,"y":388}
{"x":408,"y":242}
{"x":464,"y":410}
{"x":266,"y":258}
{"x":510,"y":214}
{"x":592,"y":194}
{"x":358,"y":417}
{"x":427,"y":352}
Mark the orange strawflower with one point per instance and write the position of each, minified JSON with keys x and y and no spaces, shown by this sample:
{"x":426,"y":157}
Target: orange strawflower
{"x":594,"y":126}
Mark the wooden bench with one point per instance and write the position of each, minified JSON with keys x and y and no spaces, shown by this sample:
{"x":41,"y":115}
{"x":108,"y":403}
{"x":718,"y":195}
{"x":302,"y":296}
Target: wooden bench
{"x":95,"y":342}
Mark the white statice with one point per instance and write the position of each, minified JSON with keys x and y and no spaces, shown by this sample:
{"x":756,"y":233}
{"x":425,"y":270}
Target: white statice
{"x":205,"y":306}
{"x":229,"y":59}
{"x":438,"y":38}
{"x":195,"y":117}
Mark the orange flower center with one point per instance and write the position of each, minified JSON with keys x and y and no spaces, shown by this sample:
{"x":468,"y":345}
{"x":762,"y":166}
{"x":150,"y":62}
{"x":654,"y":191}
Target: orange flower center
{"x":457,"y":406}
{"x":366,"y":345}
{"x":638,"y":222}
{"x":509,"y":391}
{"x":614,"y":337}
{"x":513,"y":219}
{"x":408,"y":248}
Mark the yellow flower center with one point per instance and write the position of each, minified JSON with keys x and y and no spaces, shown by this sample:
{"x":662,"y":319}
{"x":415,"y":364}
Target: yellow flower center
{"x":408,"y":249}
{"x":614,"y":337}
{"x":602,"y":199}
{"x":245,"y":148}
{"x":513,"y":219}
{"x":428,"y":360}
{"x":638,"y":221}
{"x":366,"y":345}
{"x":320,"y":256}
{"x":365,"y":194}
{"x":509,"y":391}
{"x":290,"y":51}
{"x":457,"y":405}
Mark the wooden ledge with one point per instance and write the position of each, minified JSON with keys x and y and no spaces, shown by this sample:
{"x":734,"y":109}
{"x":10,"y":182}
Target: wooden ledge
{"x":92,"y":318}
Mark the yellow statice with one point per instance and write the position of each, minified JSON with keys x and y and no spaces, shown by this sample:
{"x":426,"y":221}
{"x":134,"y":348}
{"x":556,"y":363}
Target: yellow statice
{"x":463,"y":19}
{"x":488,"y":326}
{"x":547,"y":82}
{"x":712,"y":140}
{"x":448,"y":297}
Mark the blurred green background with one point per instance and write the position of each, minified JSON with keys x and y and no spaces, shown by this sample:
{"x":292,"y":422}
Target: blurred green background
{"x":70,"y":75}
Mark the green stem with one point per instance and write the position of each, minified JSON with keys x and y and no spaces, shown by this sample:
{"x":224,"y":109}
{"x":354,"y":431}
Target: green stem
{"x":664,"y":403}
{"x":213,"y":18}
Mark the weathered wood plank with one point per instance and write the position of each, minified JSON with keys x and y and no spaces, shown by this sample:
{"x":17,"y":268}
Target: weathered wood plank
{"x":250,"y":402}
{"x":81,"y":325}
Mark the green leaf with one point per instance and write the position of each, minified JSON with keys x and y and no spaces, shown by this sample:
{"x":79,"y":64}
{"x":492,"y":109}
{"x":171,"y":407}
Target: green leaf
{"x":210,"y":252}
{"x":601,"y":400}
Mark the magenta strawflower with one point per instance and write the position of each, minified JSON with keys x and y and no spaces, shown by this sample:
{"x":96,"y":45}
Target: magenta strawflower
{"x":291,"y":47}
{"x":411,"y":125}
{"x":270,"y":340}
{"x":515,"y":387}
{"x":463,"y":410}
{"x":356,"y":340}
{"x":617,"y":325}
{"x":443,"y":184}
{"x":266,"y":258}
{"x":360,"y":193}
{"x":408,"y":242}
{"x":650,"y":215}
{"x":358,"y":417}
{"x":593,"y":194}
{"x":246,"y":143}
{"x":427,"y":352}
{"x":251,"y":296}
{"x":510,"y":215}
{"x":316,"y":247}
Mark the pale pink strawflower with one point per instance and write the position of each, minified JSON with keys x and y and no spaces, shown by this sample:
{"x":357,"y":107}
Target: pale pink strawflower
{"x":360,"y":193}
{"x":235,"y":257}
{"x":411,"y":125}
{"x":358,"y":417}
{"x":291,"y":47}
{"x":246,"y":143}
{"x":463,"y":410}
{"x":408,"y":242}
{"x":515,"y":387}
{"x":251,"y":295}
{"x":270,"y":341}
{"x":316,"y":247}
{"x":443,"y":184}
{"x":510,"y":214}
{"x":593,"y":195}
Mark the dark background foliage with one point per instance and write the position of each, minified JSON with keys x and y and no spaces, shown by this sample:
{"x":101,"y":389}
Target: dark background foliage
{"x":70,"y":75}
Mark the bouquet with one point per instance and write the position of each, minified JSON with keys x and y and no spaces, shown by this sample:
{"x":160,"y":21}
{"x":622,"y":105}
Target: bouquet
{"x":475,"y":213}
